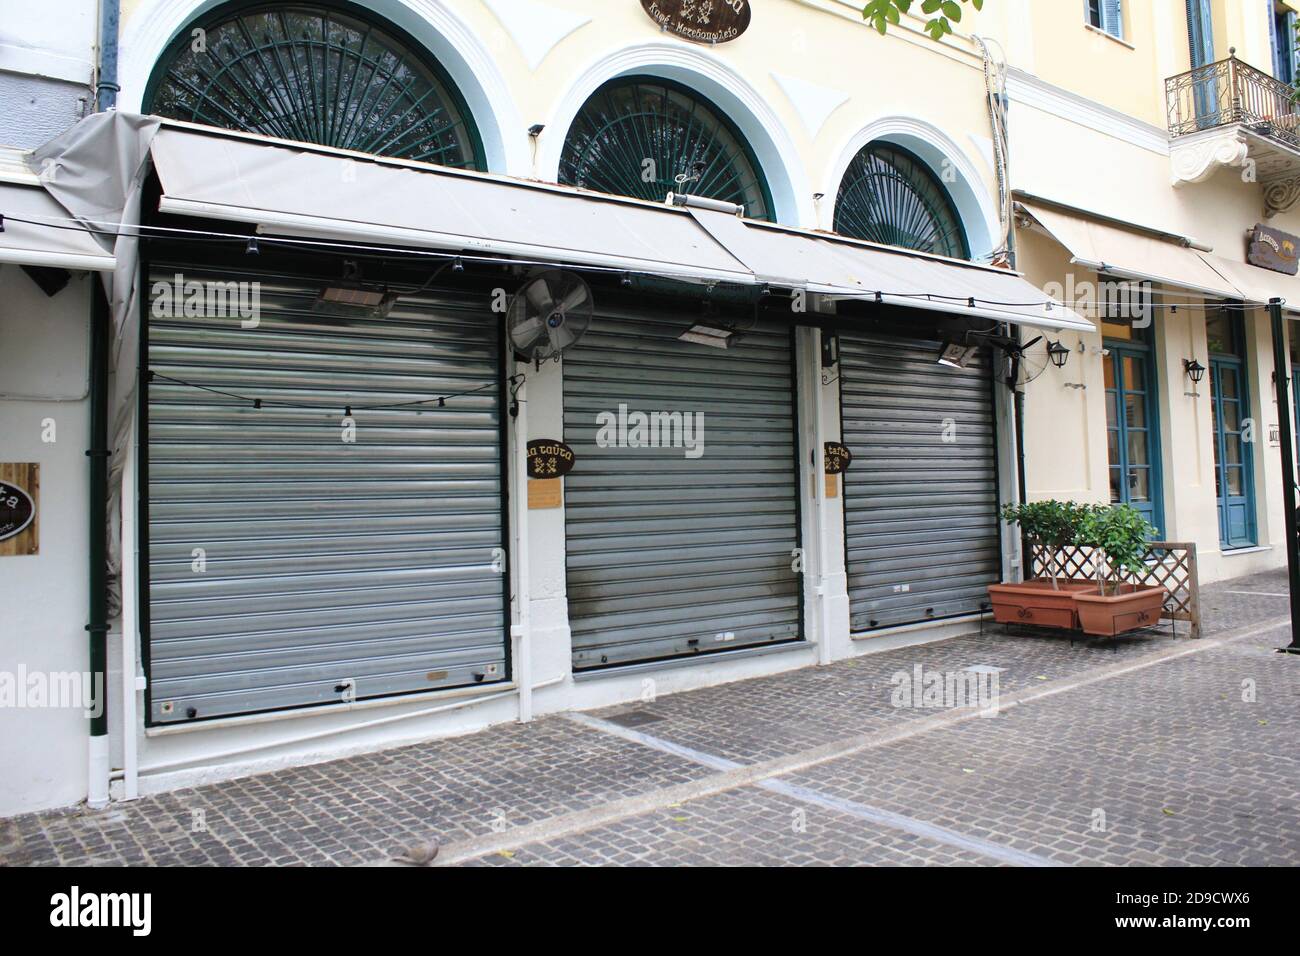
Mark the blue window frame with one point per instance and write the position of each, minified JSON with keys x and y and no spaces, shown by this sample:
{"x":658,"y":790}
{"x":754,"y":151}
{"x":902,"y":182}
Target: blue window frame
{"x":1282,"y":33}
{"x":1234,"y":473}
{"x":1107,"y":15}
{"x":1200,"y":42}
{"x":1132,"y":409}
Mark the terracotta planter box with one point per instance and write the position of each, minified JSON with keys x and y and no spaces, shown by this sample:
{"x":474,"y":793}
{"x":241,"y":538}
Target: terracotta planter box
{"x":1107,"y":615}
{"x":1037,"y":602}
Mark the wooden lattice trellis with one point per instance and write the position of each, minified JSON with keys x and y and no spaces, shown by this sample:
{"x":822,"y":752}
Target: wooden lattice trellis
{"x":1169,"y":564}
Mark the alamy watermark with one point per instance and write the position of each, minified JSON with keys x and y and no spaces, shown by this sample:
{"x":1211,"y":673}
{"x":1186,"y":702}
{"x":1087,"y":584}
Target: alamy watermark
{"x":946,"y":690}
{"x":193,"y":299}
{"x":633,"y":429}
{"x":50,"y":690}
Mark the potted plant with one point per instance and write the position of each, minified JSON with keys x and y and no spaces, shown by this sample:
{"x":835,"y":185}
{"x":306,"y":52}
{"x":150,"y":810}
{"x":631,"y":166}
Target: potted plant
{"x":1118,"y":536}
{"x":1045,"y":602}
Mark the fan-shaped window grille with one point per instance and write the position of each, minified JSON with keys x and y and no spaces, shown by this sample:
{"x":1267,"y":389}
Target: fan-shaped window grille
{"x":889,"y":196}
{"x":316,"y":74}
{"x":647,"y":137}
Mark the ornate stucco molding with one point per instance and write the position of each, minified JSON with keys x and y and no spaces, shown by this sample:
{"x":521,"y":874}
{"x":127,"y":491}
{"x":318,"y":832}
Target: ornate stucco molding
{"x":1281,"y":195}
{"x":1197,"y":160}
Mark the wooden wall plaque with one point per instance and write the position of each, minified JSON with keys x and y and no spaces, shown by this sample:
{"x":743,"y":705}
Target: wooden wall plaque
{"x":20,"y":506}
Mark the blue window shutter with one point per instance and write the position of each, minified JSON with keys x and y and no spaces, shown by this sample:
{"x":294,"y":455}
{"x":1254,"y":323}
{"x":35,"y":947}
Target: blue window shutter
{"x":1275,"y":42}
{"x":1200,"y":32}
{"x":1289,"y":47}
{"x":1112,"y":18}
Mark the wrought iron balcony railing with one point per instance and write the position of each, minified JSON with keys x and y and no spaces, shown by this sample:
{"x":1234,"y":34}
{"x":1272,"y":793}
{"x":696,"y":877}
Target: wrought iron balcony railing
{"x":1230,"y":92}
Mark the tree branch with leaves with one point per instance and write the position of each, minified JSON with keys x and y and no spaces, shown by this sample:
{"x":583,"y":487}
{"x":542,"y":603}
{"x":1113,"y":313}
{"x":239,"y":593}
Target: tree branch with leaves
{"x":942,"y":13}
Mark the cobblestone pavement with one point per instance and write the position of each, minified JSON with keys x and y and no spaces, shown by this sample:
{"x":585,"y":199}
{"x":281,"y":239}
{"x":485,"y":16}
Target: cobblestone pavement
{"x":1097,"y":757}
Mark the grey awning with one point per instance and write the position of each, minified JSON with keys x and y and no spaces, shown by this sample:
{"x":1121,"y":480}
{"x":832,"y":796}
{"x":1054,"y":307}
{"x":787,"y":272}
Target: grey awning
{"x":45,"y":244}
{"x":305,"y":192}
{"x":289,"y":189}
{"x":840,"y":267}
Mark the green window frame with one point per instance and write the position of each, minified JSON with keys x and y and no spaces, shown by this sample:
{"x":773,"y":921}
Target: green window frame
{"x":890,"y":196}
{"x":646,"y":137}
{"x":327,"y":72}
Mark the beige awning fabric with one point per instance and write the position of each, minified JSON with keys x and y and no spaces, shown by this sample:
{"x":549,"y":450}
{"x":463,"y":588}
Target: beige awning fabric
{"x":304,"y":192}
{"x":1257,"y":285}
{"x":45,"y":244}
{"x":1133,"y":255}
{"x":289,"y":189}
{"x":849,"y":269}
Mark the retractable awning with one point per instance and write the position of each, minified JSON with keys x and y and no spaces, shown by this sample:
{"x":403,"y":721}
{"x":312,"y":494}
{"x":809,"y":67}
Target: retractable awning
{"x":1132,"y":255}
{"x":289,"y":189}
{"x":22,"y":243}
{"x":845,"y":268}
{"x":1255,"y":284}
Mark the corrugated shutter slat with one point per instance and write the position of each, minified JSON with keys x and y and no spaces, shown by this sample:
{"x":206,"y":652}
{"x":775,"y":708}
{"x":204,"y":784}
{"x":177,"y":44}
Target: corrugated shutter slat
{"x":920,"y":511}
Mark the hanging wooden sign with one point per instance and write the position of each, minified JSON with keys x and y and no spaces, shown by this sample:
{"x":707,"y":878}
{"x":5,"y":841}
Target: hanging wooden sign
{"x":549,"y":458}
{"x":1274,"y":249}
{"x":838,"y":458}
{"x":700,"y":21}
{"x":19,"y":507}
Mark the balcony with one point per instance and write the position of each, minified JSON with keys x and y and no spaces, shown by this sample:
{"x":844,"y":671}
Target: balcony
{"x":1229,"y":114}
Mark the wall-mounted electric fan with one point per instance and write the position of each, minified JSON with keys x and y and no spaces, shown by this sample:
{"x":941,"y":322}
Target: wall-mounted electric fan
{"x":549,"y":313}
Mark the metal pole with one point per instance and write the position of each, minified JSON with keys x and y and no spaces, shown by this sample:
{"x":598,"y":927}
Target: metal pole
{"x":1280,"y":366}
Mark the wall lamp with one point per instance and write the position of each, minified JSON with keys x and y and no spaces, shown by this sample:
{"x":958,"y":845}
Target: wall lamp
{"x":1195,"y":370}
{"x":1058,"y":353}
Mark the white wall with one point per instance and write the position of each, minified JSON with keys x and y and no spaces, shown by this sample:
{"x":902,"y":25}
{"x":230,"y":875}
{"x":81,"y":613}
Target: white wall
{"x":43,"y":597}
{"x":46,"y":67}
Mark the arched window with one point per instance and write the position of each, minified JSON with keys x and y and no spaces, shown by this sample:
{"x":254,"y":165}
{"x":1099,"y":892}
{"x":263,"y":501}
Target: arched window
{"x":646,"y":137}
{"x":324,"y":72}
{"x":889,"y":195}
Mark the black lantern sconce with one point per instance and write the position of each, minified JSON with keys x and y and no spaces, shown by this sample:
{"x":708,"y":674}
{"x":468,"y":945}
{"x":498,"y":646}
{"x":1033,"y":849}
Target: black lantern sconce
{"x":1195,"y":370}
{"x":1058,"y":353}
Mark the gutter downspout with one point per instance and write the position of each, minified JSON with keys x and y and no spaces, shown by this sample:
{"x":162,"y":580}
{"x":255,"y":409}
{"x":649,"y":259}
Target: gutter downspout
{"x":97,"y":548}
{"x":521,"y":633}
{"x":106,"y":86}
{"x":98,"y":761}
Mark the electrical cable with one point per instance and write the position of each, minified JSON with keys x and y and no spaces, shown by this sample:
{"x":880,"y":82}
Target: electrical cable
{"x":173,"y":233}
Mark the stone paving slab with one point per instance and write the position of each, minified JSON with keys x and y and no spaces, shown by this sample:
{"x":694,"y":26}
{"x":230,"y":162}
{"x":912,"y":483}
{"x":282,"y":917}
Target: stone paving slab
{"x":1034,"y":770}
{"x":1184,"y":770}
{"x":357,"y":810}
{"x":747,"y":827}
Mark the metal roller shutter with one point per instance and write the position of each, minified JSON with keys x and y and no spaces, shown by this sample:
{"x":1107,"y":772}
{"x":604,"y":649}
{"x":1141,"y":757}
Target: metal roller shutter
{"x":326,"y":561}
{"x":670,"y":555}
{"x":921,"y":497}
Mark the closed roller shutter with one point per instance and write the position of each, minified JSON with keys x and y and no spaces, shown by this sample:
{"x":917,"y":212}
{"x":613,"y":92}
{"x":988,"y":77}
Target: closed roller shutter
{"x":670,"y":555}
{"x":921,"y":497}
{"x":326,"y":561}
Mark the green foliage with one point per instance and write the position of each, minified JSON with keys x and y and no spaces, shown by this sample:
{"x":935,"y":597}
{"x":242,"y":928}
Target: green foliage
{"x":1053,"y":524}
{"x":942,"y":13}
{"x":1121,"y":533}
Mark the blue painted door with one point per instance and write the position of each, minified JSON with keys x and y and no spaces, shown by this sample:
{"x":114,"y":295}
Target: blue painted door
{"x":1233,"y":466}
{"x":1133,"y":431}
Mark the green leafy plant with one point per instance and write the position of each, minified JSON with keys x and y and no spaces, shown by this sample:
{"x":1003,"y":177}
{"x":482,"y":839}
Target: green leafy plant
{"x":942,"y":13}
{"x":1050,"y":524}
{"x":1119,"y":536}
